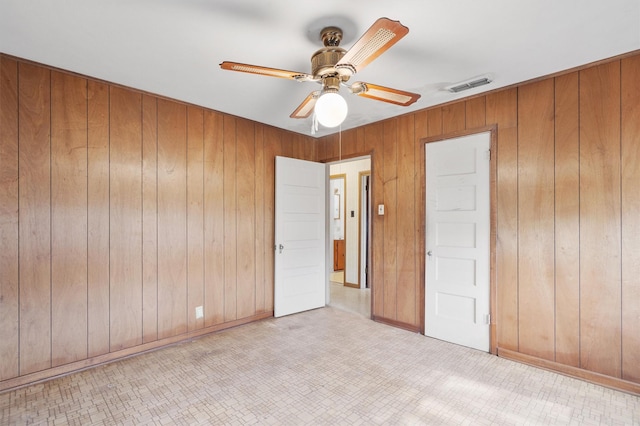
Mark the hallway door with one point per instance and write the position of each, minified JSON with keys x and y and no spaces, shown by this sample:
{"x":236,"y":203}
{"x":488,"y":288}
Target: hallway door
{"x":457,"y":240}
{"x":300,"y":236}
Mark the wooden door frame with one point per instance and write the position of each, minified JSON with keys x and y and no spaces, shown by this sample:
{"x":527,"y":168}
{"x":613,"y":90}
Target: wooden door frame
{"x":493,"y":136}
{"x":362,"y":174}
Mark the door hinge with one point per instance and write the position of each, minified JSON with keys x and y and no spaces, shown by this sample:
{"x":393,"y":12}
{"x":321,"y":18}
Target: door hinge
{"x":488,"y":154}
{"x":488,"y":319}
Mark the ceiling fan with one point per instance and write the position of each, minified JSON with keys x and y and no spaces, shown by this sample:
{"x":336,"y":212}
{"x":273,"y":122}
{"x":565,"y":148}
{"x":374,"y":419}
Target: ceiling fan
{"x":333,"y":66}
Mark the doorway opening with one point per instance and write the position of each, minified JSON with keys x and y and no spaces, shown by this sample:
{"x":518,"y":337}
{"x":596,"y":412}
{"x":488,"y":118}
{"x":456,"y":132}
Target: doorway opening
{"x":349,"y":283}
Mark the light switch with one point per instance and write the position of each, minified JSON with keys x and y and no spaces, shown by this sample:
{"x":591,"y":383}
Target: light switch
{"x":380,"y":209}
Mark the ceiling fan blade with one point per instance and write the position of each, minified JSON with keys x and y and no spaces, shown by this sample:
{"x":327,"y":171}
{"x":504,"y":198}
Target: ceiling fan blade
{"x":383,"y":34}
{"x":306,"y":107}
{"x":271,"y":72}
{"x":385,"y":94}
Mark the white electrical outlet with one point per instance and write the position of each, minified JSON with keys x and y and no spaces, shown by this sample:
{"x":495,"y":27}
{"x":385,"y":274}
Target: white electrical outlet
{"x":199,"y":312}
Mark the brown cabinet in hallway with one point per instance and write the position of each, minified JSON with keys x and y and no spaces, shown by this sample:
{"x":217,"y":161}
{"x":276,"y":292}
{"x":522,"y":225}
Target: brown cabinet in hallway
{"x":338,"y":255}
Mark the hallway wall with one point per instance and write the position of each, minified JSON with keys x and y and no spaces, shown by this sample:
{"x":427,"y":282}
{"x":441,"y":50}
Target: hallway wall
{"x":567,"y":259}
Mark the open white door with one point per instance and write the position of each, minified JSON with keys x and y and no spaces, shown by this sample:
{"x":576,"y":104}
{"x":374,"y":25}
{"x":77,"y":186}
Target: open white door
{"x":457,"y":241}
{"x":300,"y":275}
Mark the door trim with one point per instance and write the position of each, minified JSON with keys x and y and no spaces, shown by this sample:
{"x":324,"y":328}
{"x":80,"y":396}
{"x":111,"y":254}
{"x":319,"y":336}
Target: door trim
{"x":493,"y":130}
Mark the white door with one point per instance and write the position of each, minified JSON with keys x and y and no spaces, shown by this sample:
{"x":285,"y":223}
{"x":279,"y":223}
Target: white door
{"x":299,"y":236}
{"x":457,"y":240}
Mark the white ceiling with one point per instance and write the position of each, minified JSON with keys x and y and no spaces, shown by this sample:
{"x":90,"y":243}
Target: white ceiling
{"x":173,"y":47}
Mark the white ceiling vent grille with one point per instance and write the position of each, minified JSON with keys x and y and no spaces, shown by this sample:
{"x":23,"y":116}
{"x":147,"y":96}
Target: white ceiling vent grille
{"x":468,"y":85}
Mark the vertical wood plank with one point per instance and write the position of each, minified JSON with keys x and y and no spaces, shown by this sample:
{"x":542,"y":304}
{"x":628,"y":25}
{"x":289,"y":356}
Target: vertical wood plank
{"x":567,"y":215}
{"x":68,"y":218}
{"x":261,"y":245}
{"x":245,"y":178}
{"x":286,"y":145}
{"x":98,"y":218}
{"x":349,"y":142}
{"x":630,"y":218}
{"x":34,"y":97}
{"x":434,"y":122}
{"x":475,"y":112}
{"x":536,"y":293}
{"x":600,"y":239}
{"x":421,"y":127}
{"x":322,"y":149}
{"x":453,"y":117}
{"x":9,"y":289}
{"x":149,"y":218}
{"x":195,"y":214}
{"x":360,"y":141}
{"x":172,"y":219}
{"x":230,"y":212}
{"x":390,"y":218}
{"x":271,"y":138}
{"x":125,"y":218}
{"x":375,"y":141}
{"x":213,"y":218}
{"x":502,"y":110}
{"x":406,"y":229}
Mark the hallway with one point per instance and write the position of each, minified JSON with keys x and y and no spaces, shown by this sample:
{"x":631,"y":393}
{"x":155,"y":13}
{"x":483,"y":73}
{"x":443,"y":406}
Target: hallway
{"x":350,"y":299}
{"x":326,"y":366}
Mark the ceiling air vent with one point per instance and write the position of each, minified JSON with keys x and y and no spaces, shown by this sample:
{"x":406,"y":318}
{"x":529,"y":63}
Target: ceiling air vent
{"x":469,"y":85}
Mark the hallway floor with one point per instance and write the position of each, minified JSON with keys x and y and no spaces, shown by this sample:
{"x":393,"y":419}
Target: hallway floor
{"x":350,"y":299}
{"x":326,"y":366}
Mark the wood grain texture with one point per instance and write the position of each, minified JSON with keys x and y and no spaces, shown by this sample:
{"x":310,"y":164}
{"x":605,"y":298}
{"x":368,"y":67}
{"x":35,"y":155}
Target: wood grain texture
{"x":375,"y":140}
{"x":630,"y":154}
{"x":502,"y":110}
{"x":567,"y":221}
{"x":34,"y":97}
{"x":536,"y":219}
{"x":195,"y":215}
{"x":172,"y":219}
{"x":230,"y":222}
{"x":125,"y":228}
{"x":261,"y":247}
{"x":600,"y":239}
{"x":271,"y":144}
{"x":390,"y":191}
{"x":453,"y":118}
{"x":149,"y":218}
{"x":475,"y":112}
{"x":68,"y":218}
{"x":246,"y":232}
{"x":97,"y":218}
{"x":9,"y":225}
{"x":407,"y":286}
{"x":421,"y":130}
{"x":213,"y":219}
{"x":434,"y":122}
{"x":121,"y":180}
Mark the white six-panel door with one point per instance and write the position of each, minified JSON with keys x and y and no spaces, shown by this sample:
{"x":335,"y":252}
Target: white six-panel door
{"x":300,"y":274}
{"x":457,"y":240}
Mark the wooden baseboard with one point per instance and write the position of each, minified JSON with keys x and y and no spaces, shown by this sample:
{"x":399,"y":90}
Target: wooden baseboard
{"x":352,"y":285}
{"x":74,"y":367}
{"x":405,"y":326}
{"x":579,"y":373}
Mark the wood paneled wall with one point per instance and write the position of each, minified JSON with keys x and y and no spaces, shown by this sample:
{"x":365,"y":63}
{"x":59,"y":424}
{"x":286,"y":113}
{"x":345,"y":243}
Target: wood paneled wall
{"x":120,"y":213}
{"x":568,"y":215}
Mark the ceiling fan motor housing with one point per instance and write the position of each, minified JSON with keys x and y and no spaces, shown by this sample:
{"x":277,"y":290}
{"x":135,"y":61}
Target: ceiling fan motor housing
{"x":324,"y":60}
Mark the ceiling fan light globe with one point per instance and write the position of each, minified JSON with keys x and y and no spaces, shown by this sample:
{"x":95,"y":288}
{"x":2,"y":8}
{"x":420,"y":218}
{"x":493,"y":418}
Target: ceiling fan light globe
{"x":331,"y":109}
